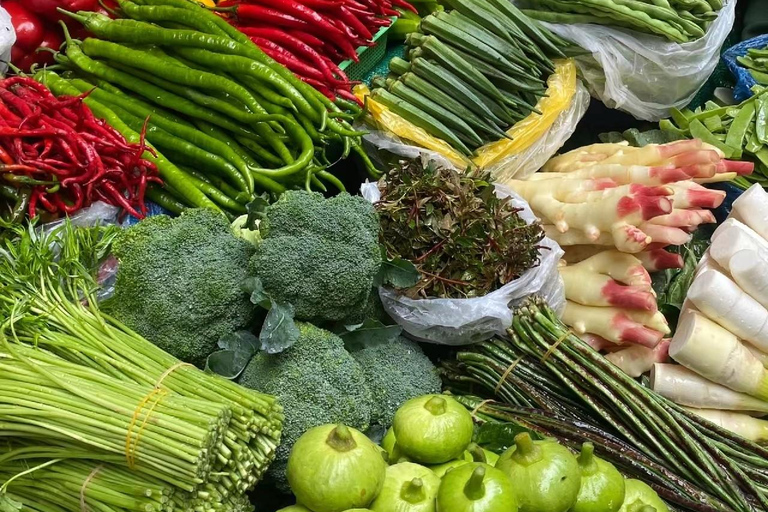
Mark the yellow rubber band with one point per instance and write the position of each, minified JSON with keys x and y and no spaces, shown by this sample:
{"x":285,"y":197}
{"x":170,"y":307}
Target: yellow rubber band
{"x":170,"y":371}
{"x":477,"y":408}
{"x":506,"y":374}
{"x":554,"y":346}
{"x":131,"y":444}
{"x":86,"y":482}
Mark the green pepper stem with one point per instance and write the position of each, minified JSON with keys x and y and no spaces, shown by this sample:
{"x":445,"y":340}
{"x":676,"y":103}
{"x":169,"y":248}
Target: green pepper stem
{"x":75,"y":15}
{"x":587,"y":458}
{"x":436,"y":405}
{"x":340,"y":439}
{"x":413,"y":491}
{"x":477,"y":453}
{"x":474,"y":488}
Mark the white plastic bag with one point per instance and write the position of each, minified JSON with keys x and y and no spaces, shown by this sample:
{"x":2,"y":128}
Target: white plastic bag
{"x":644,"y":74}
{"x":465,"y":321}
{"x":7,"y":39}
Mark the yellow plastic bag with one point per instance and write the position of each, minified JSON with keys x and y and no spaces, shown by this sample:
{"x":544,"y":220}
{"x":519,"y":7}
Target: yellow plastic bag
{"x":561,"y":87}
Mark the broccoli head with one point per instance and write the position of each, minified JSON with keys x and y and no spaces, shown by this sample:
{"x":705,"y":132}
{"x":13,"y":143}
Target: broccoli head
{"x":179,"y":283}
{"x":317,"y":382}
{"x":396,"y":372}
{"x":321,"y":255}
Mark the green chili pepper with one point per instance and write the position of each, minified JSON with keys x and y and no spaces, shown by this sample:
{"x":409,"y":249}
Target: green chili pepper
{"x":169,"y":172}
{"x":161,"y":198}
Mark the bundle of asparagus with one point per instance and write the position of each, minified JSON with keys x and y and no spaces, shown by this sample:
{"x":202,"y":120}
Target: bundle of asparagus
{"x":101,"y":387}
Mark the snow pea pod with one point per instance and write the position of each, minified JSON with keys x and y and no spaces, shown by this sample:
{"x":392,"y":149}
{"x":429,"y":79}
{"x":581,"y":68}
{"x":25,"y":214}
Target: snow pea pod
{"x":761,"y":121}
{"x":738,"y":129}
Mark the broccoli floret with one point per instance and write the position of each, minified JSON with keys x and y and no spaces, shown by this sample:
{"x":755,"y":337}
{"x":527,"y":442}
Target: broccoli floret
{"x":179,"y":282}
{"x":321,"y":255}
{"x":396,"y":372}
{"x":317,"y":382}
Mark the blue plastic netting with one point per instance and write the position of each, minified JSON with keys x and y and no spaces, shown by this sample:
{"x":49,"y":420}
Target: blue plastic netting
{"x":744,"y":80}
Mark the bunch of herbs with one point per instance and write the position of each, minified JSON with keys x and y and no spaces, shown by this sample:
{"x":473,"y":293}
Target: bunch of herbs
{"x":464,"y":239}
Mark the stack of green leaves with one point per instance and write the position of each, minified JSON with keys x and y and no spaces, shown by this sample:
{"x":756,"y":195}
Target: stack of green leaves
{"x":98,"y":386}
{"x":472,"y":73}
{"x":739,"y":131}
{"x":676,"y":20}
{"x":464,"y":240}
{"x":548,"y":375}
{"x":228,"y":121}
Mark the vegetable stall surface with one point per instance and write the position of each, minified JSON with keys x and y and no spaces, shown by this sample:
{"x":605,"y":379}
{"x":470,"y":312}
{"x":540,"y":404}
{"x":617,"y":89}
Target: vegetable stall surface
{"x":543,"y":370}
{"x":312,"y":38}
{"x":57,"y":158}
{"x":471,"y":73}
{"x":677,"y":21}
{"x":187,"y":439}
{"x":237,"y":122}
{"x":443,"y":220}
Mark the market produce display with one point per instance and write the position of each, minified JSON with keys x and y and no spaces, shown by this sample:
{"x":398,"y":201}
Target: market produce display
{"x":333,"y":468}
{"x":312,"y":38}
{"x":241,"y":126}
{"x":558,"y":385}
{"x":233,"y":278}
{"x":737,"y":131}
{"x":676,"y":20}
{"x":81,"y":388}
{"x":471,"y":73}
{"x":58,"y":158}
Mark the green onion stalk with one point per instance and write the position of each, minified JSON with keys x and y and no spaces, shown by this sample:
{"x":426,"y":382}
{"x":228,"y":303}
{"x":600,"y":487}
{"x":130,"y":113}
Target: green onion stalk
{"x":53,"y":326}
{"x":552,"y":380}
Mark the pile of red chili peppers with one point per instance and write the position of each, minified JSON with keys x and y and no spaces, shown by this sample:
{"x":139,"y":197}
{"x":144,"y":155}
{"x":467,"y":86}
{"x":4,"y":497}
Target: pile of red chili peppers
{"x":311,"y":37}
{"x":56,"y":148}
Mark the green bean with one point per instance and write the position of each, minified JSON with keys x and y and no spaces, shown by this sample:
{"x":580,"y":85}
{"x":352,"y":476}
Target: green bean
{"x":420,"y":119}
{"x":738,"y":129}
{"x":661,"y":13}
{"x":169,"y":172}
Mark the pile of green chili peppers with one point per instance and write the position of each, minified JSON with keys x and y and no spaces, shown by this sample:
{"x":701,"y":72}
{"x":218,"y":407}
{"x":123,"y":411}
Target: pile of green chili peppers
{"x":224,"y":122}
{"x":739,"y":131}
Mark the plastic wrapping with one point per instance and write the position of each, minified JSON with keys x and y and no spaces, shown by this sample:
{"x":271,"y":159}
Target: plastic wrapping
{"x":536,"y":138}
{"x":465,"y":321}
{"x":7,"y":38}
{"x":744,"y":81}
{"x":644,"y":74}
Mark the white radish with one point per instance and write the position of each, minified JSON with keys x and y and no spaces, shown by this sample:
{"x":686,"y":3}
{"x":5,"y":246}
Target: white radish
{"x":733,"y":236}
{"x":713,"y":352}
{"x":684,"y":387}
{"x":723,"y":301}
{"x":749,"y":269}
{"x":754,"y":429}
{"x":759,"y":355}
{"x":752,"y":209}
{"x":635,"y":360}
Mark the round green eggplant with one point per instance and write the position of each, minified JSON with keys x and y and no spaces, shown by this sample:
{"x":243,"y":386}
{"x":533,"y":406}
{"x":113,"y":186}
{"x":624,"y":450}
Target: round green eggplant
{"x":408,"y":487}
{"x":432,"y":429}
{"x":639,"y":495}
{"x":294,"y":508}
{"x":602,"y":486}
{"x":390,"y":446}
{"x":476,"y":487}
{"x":546,"y":475}
{"x":333,"y":468}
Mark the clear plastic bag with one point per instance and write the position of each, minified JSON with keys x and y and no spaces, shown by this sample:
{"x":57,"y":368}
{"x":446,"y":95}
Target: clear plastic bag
{"x":464,"y":321}
{"x":535,"y":138}
{"x":7,"y":38}
{"x":642,"y":74}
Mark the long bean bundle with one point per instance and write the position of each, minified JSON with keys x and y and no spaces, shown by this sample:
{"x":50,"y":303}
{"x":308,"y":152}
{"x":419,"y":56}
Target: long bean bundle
{"x":73,"y":376}
{"x":542,"y":365}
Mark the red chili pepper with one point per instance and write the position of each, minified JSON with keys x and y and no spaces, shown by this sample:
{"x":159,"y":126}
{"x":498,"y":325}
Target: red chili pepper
{"x":320,"y":86}
{"x":287,"y":59}
{"x":5,"y":157}
{"x":347,"y":16}
{"x":404,"y":5}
